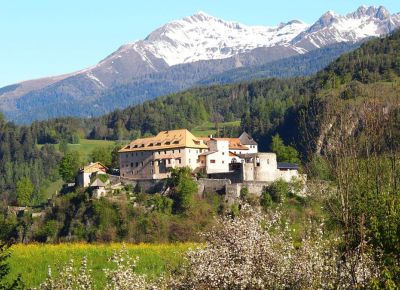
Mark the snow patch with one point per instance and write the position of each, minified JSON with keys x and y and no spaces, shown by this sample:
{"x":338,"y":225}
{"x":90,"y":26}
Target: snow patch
{"x":95,"y":79}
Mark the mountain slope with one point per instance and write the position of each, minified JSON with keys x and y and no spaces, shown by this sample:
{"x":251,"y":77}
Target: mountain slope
{"x":302,"y":110}
{"x":179,"y":55}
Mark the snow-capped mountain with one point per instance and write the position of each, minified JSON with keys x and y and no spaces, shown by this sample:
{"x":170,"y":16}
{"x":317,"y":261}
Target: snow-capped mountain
{"x":332,"y":28}
{"x":203,"y":37}
{"x":179,"y":54}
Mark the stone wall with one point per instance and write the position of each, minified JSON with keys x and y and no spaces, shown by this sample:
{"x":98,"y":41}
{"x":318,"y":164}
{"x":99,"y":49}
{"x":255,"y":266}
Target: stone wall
{"x":147,"y":185}
{"x":213,"y":185}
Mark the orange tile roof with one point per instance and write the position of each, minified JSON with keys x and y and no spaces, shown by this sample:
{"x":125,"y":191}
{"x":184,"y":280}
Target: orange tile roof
{"x":166,"y":140}
{"x":94,"y":167}
{"x":234,"y":143}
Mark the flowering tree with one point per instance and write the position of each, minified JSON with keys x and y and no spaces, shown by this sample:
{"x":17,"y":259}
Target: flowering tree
{"x":70,"y":278}
{"x":251,"y":251}
{"x":254,"y":251}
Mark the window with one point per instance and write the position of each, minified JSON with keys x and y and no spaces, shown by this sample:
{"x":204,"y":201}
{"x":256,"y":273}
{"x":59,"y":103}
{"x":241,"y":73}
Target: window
{"x":165,"y":151}
{"x":136,"y":153}
{"x":169,"y":161}
{"x":151,"y":171}
{"x":173,"y":151}
{"x":212,"y":161}
{"x":152,"y":163}
{"x":167,"y":143}
{"x":142,"y":163}
{"x":137,"y":164}
{"x":223,"y":153}
{"x":189,"y":160}
{"x":179,"y":150}
{"x":176,"y":142}
{"x":223,"y":161}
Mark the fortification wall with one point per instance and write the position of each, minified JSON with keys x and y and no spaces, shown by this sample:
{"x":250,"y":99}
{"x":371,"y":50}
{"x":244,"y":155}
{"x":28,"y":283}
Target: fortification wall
{"x":147,"y":185}
{"x":213,"y":185}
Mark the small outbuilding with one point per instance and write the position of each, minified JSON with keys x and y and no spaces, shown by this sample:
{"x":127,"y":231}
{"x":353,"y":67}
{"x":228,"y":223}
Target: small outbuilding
{"x":87,"y":173}
{"x":99,"y":187}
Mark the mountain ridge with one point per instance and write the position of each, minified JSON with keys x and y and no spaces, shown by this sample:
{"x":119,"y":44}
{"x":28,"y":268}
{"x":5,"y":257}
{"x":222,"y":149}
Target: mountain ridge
{"x":197,"y":42}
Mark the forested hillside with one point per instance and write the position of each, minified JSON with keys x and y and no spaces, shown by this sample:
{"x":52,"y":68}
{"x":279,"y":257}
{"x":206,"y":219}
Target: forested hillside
{"x":264,"y":107}
{"x":295,"y":66}
{"x":271,"y":105}
{"x":25,"y":170}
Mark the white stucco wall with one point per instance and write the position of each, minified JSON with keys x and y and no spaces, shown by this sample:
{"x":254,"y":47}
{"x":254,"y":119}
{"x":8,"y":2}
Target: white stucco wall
{"x":218,"y":162}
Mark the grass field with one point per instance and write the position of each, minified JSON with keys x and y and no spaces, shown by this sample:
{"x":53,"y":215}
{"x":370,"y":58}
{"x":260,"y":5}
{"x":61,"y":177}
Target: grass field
{"x":86,"y":146}
{"x":208,"y":128}
{"x":32,"y":261}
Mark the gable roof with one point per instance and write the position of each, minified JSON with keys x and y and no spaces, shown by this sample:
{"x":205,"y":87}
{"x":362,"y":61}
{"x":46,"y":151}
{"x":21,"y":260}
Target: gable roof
{"x":246,"y":139}
{"x":94,"y":167}
{"x":98,"y":183}
{"x":234,"y":143}
{"x":166,"y":140}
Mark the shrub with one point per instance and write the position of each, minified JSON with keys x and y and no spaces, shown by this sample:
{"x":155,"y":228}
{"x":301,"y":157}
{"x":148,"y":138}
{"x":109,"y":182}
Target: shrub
{"x":254,"y":251}
{"x":277,"y":190}
{"x":266,"y":199}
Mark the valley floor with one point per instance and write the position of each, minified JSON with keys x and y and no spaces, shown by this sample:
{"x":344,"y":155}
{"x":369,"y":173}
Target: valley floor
{"x":32,"y":260}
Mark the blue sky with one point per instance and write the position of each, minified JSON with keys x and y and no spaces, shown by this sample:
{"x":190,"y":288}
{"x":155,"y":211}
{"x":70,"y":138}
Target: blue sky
{"x":46,"y":37}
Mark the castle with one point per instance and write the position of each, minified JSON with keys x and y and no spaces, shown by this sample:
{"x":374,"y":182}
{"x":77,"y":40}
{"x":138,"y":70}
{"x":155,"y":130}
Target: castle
{"x":237,"y":159}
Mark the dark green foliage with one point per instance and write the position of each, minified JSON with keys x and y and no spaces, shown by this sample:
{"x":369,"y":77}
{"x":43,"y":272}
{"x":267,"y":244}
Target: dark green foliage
{"x":284,"y":153}
{"x":20,"y":158}
{"x":115,"y":156}
{"x":161,"y":203}
{"x":183,"y":187}
{"x":69,"y":165}
{"x":266,"y":199}
{"x":376,"y":60}
{"x":277,"y":190}
{"x":244,"y":193}
{"x":24,"y":191}
{"x":102,"y":155}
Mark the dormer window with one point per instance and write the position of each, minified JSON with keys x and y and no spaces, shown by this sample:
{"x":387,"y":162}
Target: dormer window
{"x":168,"y":143}
{"x":158,"y":144}
{"x":151,"y":145}
{"x":176,"y":142}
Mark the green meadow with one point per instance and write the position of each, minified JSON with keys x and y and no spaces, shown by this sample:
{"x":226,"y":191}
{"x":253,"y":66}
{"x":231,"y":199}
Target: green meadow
{"x":32,"y":260}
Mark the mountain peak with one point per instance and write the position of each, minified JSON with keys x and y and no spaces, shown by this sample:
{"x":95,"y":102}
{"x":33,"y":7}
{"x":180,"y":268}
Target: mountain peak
{"x":382,"y":13}
{"x":372,"y":11}
{"x":199,"y":16}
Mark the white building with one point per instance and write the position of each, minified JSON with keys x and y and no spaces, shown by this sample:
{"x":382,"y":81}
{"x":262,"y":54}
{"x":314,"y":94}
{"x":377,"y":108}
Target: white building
{"x":217,"y":157}
{"x":87,"y":173}
{"x":154,"y":157}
